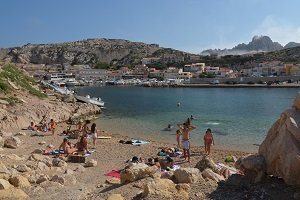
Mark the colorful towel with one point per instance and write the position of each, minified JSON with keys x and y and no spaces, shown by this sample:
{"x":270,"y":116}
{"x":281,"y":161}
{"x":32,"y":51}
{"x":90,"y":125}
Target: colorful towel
{"x":114,"y":173}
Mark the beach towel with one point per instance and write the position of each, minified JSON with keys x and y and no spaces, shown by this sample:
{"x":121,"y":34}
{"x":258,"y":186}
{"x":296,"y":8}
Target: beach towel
{"x":114,"y":173}
{"x":175,"y":167}
{"x":57,"y":152}
{"x":138,"y":142}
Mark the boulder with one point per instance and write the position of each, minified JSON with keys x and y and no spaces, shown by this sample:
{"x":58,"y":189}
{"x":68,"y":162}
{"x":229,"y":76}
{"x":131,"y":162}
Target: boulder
{"x":13,"y":193}
{"x":36,"y":157}
{"x":166,"y":189}
{"x":56,"y":162}
{"x":113,"y":181}
{"x":167,"y":175}
{"x":19,"y":181}
{"x":58,"y":179}
{"x":208,"y":173}
{"x":42,"y":166}
{"x":91,"y":163}
{"x":12,"y":142}
{"x":4,"y":184}
{"x":69,"y":179}
{"x":253,"y":166}
{"x":138,"y":171}
{"x":23,"y":168}
{"x":115,"y":197}
{"x":38,"y":151}
{"x":3,"y":169}
{"x":204,"y":163}
{"x":281,"y":147}
{"x":187,"y":175}
{"x":1,"y":141}
{"x":79,"y":168}
{"x":12,"y":157}
{"x":42,"y":178}
{"x":69,"y":172}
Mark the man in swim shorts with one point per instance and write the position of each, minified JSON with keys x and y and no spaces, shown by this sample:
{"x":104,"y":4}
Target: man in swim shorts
{"x":185,"y":129}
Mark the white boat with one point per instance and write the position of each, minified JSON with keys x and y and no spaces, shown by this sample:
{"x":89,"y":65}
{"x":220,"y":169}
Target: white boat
{"x":72,"y":82}
{"x":88,"y":99}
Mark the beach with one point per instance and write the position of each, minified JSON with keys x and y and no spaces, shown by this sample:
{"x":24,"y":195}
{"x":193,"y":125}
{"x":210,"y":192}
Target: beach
{"x":75,"y":181}
{"x":91,"y":183}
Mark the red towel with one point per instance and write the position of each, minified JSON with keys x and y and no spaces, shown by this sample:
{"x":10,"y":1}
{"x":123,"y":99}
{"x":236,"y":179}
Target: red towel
{"x":114,"y":173}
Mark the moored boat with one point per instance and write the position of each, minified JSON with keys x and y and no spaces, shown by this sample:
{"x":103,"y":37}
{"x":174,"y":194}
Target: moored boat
{"x":92,"y":100}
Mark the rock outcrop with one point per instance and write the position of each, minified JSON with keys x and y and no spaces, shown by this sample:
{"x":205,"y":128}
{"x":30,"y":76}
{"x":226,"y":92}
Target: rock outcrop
{"x":138,"y":171}
{"x":281,"y":147}
{"x":166,"y":189}
{"x":187,"y":175}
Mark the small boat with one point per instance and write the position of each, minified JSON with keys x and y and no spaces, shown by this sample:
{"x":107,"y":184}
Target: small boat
{"x":88,"y":99}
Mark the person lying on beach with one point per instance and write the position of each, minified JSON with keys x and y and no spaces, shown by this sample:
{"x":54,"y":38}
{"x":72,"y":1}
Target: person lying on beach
{"x":134,"y":161}
{"x":167,"y":164}
{"x":157,"y":163}
{"x":169,"y":151}
{"x":67,"y":147}
{"x":32,"y":127}
{"x":208,"y":140}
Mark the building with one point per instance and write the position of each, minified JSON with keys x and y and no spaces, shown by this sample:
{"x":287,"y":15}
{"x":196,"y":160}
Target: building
{"x":184,"y":75}
{"x":92,"y":74}
{"x":292,"y":70}
{"x":212,"y":70}
{"x":194,"y":67}
{"x":172,"y":73}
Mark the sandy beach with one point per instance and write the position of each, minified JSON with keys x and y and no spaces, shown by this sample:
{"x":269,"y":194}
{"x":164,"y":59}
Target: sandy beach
{"x":91,"y":183}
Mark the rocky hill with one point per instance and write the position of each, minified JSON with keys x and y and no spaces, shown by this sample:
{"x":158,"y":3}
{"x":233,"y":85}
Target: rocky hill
{"x":258,"y":44}
{"x":90,"y":51}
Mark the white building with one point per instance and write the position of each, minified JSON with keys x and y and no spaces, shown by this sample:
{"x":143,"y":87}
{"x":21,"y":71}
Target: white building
{"x":194,"y":67}
{"x":172,"y":73}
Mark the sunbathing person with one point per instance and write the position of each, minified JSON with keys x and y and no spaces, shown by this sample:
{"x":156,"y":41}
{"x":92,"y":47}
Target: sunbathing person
{"x":67,"y":147}
{"x":157,"y":163}
{"x":52,"y":126}
{"x":32,"y":127}
{"x":82,"y":145}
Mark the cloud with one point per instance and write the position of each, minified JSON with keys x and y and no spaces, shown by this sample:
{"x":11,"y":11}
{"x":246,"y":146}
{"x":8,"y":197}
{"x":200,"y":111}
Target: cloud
{"x":278,"y":30}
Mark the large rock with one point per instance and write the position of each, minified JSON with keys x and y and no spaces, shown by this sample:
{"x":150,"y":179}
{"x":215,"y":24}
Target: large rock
{"x":166,"y":189}
{"x":138,"y":171}
{"x":206,"y":162}
{"x":208,"y":173}
{"x":22,"y":168}
{"x":19,"y":181}
{"x":5,"y":134}
{"x":188,"y":175}
{"x":4,"y":172}
{"x":13,"y":194}
{"x":281,"y":147}
{"x":56,"y":162}
{"x":115,"y":197}
{"x":253,"y":166}
{"x":42,"y":166}
{"x":42,"y":178}
{"x":12,"y":142}
{"x":58,"y":179}
{"x":4,"y":184}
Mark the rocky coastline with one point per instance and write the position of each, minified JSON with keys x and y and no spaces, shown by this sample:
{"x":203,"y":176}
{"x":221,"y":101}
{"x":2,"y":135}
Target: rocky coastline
{"x":25,"y":173}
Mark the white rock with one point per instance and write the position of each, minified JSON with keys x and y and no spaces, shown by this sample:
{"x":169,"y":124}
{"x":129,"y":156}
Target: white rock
{"x":4,"y":184}
{"x":187,"y":175}
{"x":42,"y":166}
{"x":12,"y":142}
{"x":91,"y":163}
{"x":281,"y":146}
{"x":208,"y":173}
{"x":56,"y":162}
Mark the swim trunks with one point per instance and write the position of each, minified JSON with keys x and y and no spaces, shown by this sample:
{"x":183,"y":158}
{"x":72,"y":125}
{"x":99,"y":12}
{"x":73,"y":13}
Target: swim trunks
{"x":186,"y":144}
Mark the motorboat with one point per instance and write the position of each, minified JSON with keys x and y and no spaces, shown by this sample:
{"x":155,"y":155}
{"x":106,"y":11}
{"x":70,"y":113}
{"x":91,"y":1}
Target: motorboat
{"x":93,"y":100}
{"x":72,"y":82}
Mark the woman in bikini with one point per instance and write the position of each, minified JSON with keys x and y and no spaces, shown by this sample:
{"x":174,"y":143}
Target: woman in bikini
{"x":208,"y":140}
{"x":52,"y":126}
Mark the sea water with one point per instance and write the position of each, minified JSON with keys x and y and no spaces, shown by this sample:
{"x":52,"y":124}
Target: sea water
{"x":238,"y":117}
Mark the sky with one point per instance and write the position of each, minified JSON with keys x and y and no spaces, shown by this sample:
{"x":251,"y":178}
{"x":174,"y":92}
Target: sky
{"x":187,"y":25}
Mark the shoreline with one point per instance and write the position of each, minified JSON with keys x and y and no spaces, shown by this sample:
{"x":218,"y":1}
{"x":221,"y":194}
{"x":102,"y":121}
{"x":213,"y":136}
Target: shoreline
{"x":237,"y":86}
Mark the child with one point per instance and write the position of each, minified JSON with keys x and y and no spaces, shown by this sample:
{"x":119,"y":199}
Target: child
{"x":208,"y":140}
{"x":52,"y":126}
{"x":94,"y":134}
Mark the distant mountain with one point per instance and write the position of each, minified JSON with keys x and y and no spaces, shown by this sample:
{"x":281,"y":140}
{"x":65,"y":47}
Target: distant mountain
{"x":258,"y":44}
{"x":91,"y":51}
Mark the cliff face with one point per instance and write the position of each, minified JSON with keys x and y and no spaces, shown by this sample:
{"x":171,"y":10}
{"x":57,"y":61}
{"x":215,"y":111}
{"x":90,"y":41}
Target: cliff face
{"x":89,"y":51}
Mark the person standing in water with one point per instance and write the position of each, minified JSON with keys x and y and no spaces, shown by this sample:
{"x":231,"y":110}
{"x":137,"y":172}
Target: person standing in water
{"x":185,"y":129}
{"x":208,"y":140}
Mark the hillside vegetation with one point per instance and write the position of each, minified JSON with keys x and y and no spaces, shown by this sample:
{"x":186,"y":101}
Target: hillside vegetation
{"x":12,"y":79}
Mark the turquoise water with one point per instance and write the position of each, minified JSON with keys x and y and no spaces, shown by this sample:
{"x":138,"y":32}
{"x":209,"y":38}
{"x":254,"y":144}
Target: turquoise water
{"x":238,"y":117}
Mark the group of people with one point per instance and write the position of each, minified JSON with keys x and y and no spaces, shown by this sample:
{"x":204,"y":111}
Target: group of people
{"x":183,"y":138}
{"x":82,"y":145}
{"x":42,"y":126}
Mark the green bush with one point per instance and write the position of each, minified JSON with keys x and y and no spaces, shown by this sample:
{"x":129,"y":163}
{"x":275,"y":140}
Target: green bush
{"x":3,"y":86}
